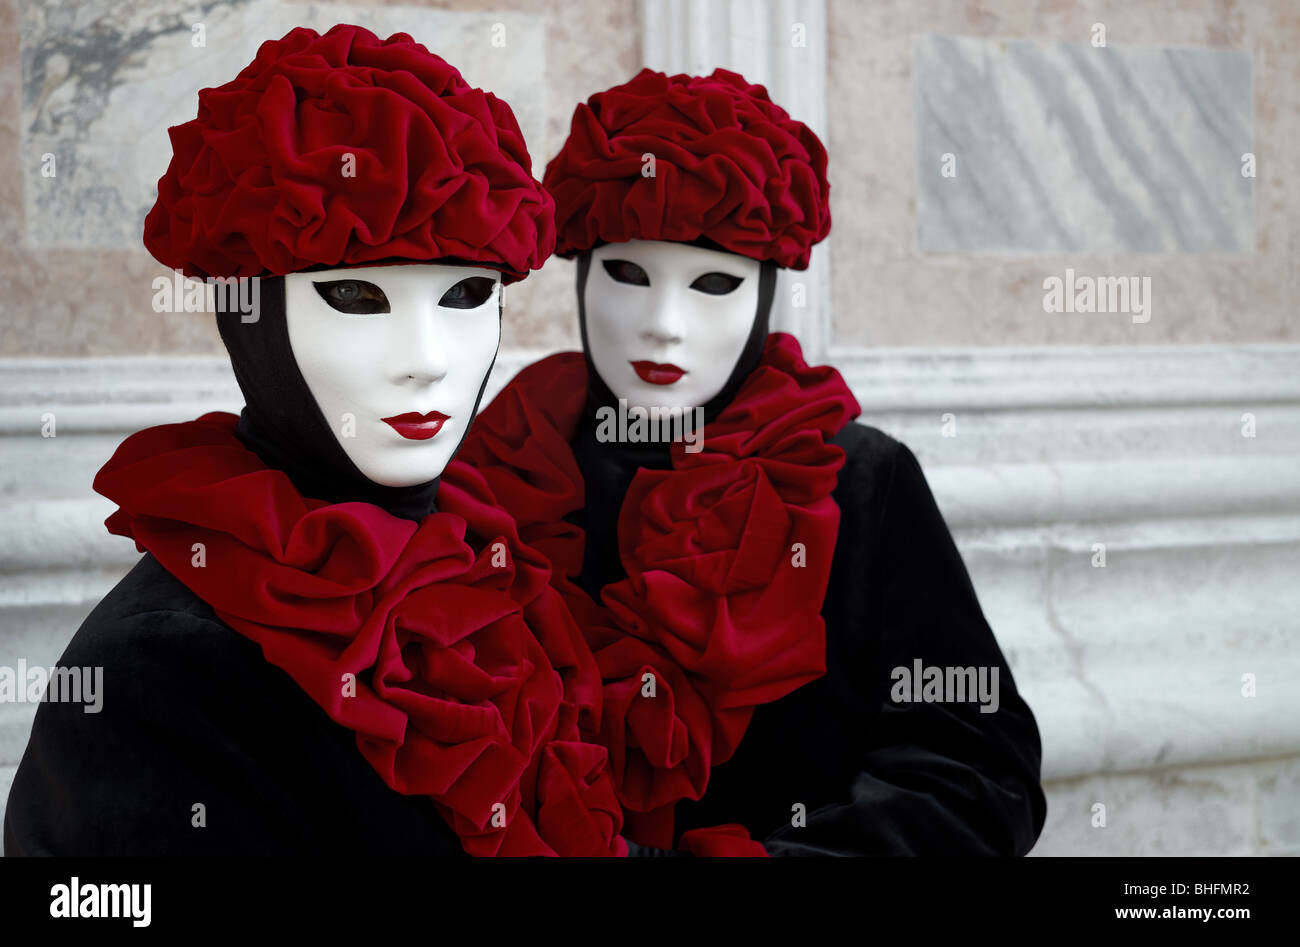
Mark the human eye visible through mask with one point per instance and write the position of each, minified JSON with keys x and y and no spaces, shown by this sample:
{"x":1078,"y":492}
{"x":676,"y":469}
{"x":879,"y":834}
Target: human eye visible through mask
{"x":352,"y":296}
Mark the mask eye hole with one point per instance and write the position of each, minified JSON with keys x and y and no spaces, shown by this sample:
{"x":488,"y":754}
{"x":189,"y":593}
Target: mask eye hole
{"x":469,"y":293}
{"x":717,"y":284}
{"x":625,"y":271}
{"x":353,"y":296}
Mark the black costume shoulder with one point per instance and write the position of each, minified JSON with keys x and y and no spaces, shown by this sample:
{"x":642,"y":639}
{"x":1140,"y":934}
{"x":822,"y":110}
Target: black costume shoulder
{"x":875,"y":776}
{"x":193,"y":714}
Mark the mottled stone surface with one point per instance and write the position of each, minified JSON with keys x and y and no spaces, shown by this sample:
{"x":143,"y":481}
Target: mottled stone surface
{"x":1022,"y":145}
{"x":97,"y":84}
{"x":102,"y":81}
{"x":888,"y":289}
{"x":1239,"y":809}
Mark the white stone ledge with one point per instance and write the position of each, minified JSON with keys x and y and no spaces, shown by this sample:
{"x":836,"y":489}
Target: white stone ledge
{"x":1185,"y":711}
{"x":81,"y":588}
{"x":1018,"y":495}
{"x":1237,"y":808}
{"x":1027,"y":378}
{"x":1122,"y":378}
{"x":59,"y":534}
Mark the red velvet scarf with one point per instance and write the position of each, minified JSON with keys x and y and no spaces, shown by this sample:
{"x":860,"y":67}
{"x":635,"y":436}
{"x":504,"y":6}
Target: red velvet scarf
{"x":441,"y":644}
{"x":727,"y":558}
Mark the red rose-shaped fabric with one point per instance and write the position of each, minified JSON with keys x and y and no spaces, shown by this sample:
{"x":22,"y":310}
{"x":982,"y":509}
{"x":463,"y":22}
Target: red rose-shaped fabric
{"x":346,"y":149}
{"x":462,"y":674}
{"x":684,"y":157}
{"x":727,"y":560}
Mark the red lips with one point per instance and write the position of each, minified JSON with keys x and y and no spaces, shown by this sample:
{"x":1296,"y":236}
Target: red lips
{"x":657,"y":374}
{"x":418,"y":427}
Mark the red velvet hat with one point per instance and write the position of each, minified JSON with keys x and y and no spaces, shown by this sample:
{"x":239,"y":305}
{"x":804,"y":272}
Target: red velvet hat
{"x":729,"y":166}
{"x":346,"y":149}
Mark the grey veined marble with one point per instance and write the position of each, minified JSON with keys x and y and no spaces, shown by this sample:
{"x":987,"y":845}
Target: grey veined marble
{"x":103,"y":79}
{"x":1067,"y":147}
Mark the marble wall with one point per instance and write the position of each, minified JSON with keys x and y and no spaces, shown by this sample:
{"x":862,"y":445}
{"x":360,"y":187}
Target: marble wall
{"x":96,"y":83}
{"x":1070,"y":148}
{"x":1114,"y":161}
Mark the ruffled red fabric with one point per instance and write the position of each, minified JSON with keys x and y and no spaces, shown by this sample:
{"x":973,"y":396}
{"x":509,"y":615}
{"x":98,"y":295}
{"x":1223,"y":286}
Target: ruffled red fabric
{"x":728,"y":165}
{"x":441,"y":644}
{"x":258,"y":184}
{"x":727,"y":558}
{"x":720,"y":841}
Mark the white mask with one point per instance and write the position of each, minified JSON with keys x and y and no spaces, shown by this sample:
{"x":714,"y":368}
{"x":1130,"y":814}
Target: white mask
{"x":425,"y":357}
{"x":667,"y":322}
